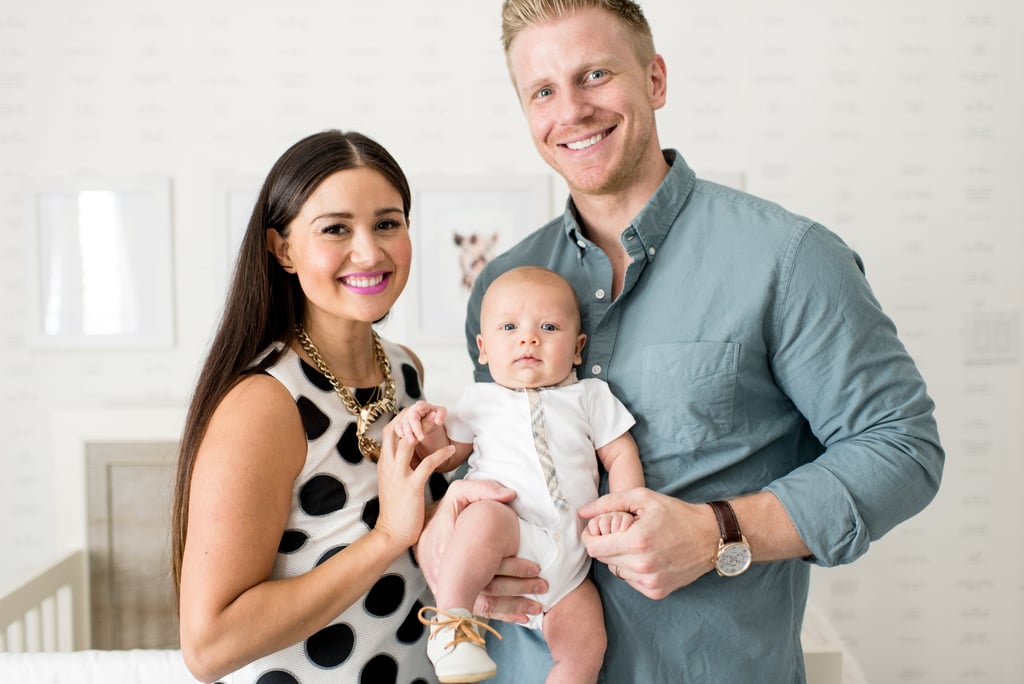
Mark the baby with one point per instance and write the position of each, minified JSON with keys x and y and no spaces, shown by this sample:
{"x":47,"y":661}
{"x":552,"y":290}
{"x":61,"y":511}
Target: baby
{"x":535,"y":430}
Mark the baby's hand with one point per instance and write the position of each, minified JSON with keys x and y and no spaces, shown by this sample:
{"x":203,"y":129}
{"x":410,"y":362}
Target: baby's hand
{"x":417,"y":421}
{"x":610,"y":523}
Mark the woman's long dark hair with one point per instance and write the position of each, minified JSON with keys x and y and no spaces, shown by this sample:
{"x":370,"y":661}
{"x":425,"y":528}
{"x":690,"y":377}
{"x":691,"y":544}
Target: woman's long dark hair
{"x":265,"y":302}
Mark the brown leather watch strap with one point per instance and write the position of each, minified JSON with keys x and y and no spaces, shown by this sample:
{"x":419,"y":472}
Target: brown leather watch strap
{"x":728,"y":524}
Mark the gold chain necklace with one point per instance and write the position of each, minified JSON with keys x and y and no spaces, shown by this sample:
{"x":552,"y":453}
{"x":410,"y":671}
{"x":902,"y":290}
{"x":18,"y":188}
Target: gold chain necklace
{"x":365,"y":414}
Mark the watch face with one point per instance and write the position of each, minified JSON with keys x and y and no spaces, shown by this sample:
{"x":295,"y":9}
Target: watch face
{"x":733,"y":559}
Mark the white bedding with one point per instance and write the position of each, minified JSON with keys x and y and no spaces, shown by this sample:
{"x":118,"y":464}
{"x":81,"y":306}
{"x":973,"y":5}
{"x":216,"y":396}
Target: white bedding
{"x":95,"y":667}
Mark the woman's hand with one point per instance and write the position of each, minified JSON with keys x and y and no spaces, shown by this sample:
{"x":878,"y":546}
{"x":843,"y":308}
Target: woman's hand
{"x":419,"y":420}
{"x":502,"y":598}
{"x":401,"y":481}
{"x":422,"y":424}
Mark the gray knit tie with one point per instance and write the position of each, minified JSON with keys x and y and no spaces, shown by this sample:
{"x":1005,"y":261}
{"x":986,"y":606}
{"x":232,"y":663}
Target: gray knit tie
{"x":540,"y":442}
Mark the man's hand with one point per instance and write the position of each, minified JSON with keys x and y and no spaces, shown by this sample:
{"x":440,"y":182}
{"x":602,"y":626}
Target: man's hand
{"x":502,"y":598}
{"x":669,"y":545}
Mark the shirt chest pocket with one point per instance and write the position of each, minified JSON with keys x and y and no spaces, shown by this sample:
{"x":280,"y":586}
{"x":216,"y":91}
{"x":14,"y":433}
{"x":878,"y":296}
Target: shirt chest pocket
{"x":689,"y":390}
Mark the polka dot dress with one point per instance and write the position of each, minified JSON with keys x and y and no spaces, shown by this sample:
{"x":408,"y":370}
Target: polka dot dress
{"x":378,"y":640}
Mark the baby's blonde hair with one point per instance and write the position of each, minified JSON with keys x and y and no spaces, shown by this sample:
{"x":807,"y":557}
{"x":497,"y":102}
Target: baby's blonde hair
{"x":535,"y":274}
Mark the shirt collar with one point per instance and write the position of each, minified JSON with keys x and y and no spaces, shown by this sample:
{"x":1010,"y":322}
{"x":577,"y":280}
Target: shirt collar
{"x":653,"y":222}
{"x":570,"y":379}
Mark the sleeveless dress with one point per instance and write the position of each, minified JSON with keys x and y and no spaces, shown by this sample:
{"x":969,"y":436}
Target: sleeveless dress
{"x":378,"y":639}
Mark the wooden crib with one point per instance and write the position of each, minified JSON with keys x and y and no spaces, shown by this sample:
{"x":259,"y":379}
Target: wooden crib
{"x":45,"y":636}
{"x":45,"y":639}
{"x":49,"y":612}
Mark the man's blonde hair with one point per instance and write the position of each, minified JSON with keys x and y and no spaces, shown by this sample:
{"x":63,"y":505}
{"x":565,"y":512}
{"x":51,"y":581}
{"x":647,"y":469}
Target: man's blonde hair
{"x":517,"y":15}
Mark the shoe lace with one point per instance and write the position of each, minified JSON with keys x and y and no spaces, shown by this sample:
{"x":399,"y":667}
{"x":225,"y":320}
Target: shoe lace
{"x":464,"y":628}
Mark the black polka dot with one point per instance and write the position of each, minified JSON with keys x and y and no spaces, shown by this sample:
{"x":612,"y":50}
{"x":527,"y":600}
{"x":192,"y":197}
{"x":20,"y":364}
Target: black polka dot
{"x":365,"y":395}
{"x":331,"y":646}
{"x":370,"y":512}
{"x":411,"y":629}
{"x":412,"y":381}
{"x":292,"y":541}
{"x":314,"y":420}
{"x":438,"y":486}
{"x":277,"y":677}
{"x":322,"y":495}
{"x":318,"y":379}
{"x":382,"y":669}
{"x":386,"y":595}
{"x":330,"y":553}
{"x":348,"y":445}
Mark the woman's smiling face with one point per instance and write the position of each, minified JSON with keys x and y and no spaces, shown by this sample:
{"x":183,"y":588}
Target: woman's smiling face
{"x":349,"y":246}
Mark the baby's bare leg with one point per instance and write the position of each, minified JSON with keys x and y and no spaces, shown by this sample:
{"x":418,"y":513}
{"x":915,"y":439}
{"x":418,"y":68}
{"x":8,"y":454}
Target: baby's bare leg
{"x":485,"y":532}
{"x":574,"y":630}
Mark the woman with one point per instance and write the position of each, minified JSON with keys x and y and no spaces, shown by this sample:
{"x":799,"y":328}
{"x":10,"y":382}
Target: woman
{"x":291,"y":546}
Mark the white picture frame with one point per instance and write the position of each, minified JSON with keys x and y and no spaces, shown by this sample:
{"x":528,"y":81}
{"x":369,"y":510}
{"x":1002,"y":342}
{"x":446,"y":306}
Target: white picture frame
{"x":234,"y":197}
{"x":101,"y":262}
{"x":456,"y":224}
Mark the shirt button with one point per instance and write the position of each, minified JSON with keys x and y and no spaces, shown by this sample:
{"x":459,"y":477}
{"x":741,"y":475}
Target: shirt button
{"x":651,"y":251}
{"x":596,"y":369}
{"x":630,"y":236}
{"x":581,"y":244}
{"x":599,"y":294}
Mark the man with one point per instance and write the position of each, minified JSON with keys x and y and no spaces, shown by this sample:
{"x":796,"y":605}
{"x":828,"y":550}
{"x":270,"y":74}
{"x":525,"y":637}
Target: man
{"x":747,"y":343}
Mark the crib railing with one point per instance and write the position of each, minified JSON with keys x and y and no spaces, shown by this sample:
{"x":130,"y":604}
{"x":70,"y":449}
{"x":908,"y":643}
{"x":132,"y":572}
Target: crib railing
{"x":49,"y":612}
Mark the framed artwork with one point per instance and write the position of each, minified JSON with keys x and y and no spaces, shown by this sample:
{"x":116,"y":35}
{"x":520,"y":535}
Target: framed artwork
{"x":458,"y":224}
{"x":233,"y":200}
{"x":101,"y":260}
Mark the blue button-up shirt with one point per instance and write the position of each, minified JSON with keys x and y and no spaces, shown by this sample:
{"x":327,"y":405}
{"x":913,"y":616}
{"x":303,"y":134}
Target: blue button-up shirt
{"x":749,"y":347}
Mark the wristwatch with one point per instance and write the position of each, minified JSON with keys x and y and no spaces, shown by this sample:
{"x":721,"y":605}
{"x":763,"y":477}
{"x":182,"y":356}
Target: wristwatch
{"x":733,"y":555}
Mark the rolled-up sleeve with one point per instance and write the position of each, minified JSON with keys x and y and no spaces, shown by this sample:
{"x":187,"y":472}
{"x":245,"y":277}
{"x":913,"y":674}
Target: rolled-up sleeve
{"x":838,"y":358}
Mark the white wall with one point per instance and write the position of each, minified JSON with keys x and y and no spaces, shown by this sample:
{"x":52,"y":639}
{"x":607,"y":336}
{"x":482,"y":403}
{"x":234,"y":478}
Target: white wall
{"x":897,"y":124}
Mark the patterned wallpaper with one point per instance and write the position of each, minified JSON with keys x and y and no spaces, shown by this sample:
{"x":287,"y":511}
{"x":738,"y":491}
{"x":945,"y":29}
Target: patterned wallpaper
{"x":895,"y":124}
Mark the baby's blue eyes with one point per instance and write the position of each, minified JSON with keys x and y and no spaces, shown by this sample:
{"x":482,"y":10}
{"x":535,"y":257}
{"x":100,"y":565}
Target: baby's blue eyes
{"x":547,"y":327}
